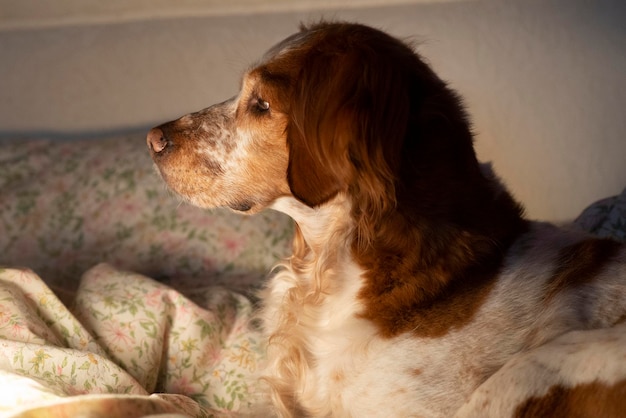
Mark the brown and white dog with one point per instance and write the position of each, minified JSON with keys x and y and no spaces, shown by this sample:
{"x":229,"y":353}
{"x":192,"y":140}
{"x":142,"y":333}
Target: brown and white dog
{"x":416,"y":287}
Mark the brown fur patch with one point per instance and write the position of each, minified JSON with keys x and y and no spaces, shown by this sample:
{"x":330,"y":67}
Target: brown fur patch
{"x":585,"y":400}
{"x":427,"y":303}
{"x":431,"y":279}
{"x":580,"y":263}
{"x":430,"y":229}
{"x":429,"y":276}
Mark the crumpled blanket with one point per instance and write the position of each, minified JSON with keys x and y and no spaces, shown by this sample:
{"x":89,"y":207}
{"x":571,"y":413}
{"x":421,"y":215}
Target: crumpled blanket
{"x":130,"y":347}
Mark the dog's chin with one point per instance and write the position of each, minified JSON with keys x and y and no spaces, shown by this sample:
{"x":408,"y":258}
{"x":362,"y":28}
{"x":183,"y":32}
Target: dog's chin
{"x":244,"y":207}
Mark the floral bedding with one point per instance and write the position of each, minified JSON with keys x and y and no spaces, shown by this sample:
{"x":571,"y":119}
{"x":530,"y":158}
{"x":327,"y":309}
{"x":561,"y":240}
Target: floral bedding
{"x":129,"y":346}
{"x":118,"y":300}
{"x":80,"y":333}
{"x":67,"y":206}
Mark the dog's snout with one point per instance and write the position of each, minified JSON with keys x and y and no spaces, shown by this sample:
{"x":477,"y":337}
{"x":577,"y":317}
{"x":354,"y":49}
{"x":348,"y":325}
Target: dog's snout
{"x":156,"y":140}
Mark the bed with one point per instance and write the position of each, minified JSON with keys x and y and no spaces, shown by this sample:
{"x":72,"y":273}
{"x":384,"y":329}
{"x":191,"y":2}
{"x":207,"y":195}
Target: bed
{"x":119,"y":300}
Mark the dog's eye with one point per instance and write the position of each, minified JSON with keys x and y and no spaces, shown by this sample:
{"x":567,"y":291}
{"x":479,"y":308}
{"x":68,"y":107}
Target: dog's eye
{"x":262,"y":105}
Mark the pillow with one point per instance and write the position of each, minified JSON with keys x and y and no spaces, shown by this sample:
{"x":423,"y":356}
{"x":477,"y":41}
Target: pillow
{"x":69,"y":205}
{"x":606,"y":217}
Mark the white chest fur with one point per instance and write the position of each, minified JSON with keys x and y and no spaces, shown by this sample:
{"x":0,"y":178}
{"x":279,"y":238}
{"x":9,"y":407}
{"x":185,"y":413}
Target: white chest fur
{"x":323,"y":332}
{"x":324,"y":357}
{"x":337,"y":365}
{"x":318,"y":342}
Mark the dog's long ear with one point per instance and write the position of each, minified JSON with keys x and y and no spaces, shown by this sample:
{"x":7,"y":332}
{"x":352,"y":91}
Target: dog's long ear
{"x":318,"y":132}
{"x":349,"y":113}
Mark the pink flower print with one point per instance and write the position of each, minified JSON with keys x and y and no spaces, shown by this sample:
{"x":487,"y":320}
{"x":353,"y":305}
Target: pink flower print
{"x":59,"y":186}
{"x":24,"y":276}
{"x":96,"y":162}
{"x":117,"y":334}
{"x":172,"y":242}
{"x":184,"y":311}
{"x":5,"y":316}
{"x":182,"y":386}
{"x":17,"y":329}
{"x":211,"y":355}
{"x":102,"y":216}
{"x":75,"y":391}
{"x":200,"y":219}
{"x":233,"y":246}
{"x":154,"y":298}
{"x":241,"y":327}
{"x":208,"y":264}
{"x":66,"y":151}
{"x":130,"y":207}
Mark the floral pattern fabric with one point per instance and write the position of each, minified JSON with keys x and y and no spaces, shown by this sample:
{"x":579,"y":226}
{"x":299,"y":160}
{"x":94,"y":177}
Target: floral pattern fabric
{"x":130,"y":346}
{"x":66,"y":206}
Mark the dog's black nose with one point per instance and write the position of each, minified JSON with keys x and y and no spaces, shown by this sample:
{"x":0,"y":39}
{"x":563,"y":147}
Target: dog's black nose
{"x":156,"y":140}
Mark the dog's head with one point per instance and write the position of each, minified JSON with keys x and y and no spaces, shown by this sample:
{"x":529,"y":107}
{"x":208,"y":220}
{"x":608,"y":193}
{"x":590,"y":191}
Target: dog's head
{"x":335,"y":108}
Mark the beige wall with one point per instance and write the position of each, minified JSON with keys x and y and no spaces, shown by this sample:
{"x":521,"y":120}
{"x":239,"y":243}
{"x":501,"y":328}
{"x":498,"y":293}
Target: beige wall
{"x":544,"y":80}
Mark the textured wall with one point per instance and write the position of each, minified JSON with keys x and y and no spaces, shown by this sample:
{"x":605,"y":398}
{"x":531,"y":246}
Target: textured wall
{"x":545,"y":81}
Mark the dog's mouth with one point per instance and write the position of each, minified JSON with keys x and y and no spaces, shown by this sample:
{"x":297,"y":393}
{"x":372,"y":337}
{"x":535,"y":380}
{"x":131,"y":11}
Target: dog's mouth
{"x":243,"y":206}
